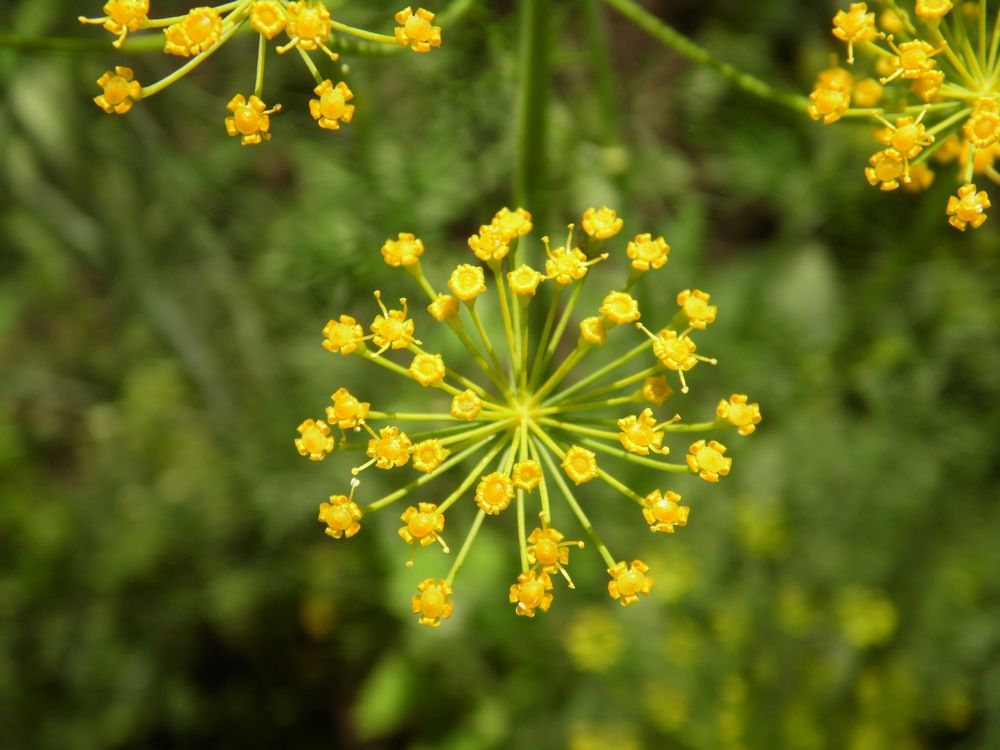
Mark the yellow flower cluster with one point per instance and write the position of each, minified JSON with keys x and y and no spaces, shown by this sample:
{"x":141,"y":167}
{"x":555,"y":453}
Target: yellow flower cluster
{"x":519,"y":432}
{"x":201,"y":31}
{"x":950,"y":63}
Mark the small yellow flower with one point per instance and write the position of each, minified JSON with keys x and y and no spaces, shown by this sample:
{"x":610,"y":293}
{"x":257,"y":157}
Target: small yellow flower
{"x":524,"y":280}
{"x":392,"y":328}
{"x":829,"y":102}
{"x":347,"y":411}
{"x":928,"y":85}
{"x":433,"y":602}
{"x":664,"y":511}
{"x":983,"y":125}
{"x":390,"y":449}
{"x":466,"y":405}
{"x":467,"y":282}
{"x":267,"y":17}
{"x":120,"y":90}
{"x":968,"y":208}
{"x":696,"y":307}
{"x":531,"y":593}
{"x":429,"y":455}
{"x":427,"y":369}
{"x":647,"y":253}
{"x":332,"y":108}
{"x":676,"y":352}
{"x":193,"y":34}
{"x":342,"y":335}
{"x":867,"y":93}
{"x":121,"y":17}
{"x":513,"y":224}
{"x":855,"y":25}
{"x":308,"y":27}
{"x":628,"y":583}
{"x":315,"y":440}
{"x":547,"y":549}
{"x":564,"y":265}
{"x":933,"y":9}
{"x":745,"y":416}
{"x":341,"y":516}
{"x":443,"y":308}
{"x":913,"y":59}
{"x":494,"y":493}
{"x":404,"y":251}
{"x":526,"y":474}
{"x":250,"y":119}
{"x":620,"y":308}
{"x":656,"y":390}
{"x":638,"y":436}
{"x":907,"y":136}
{"x":580,"y":464}
{"x":592,"y":330}
{"x":602,"y":223}
{"x":490,"y":243}
{"x":708,"y":461}
{"x":416,"y":31}
{"x":422,"y":524}
{"x":887,"y":167}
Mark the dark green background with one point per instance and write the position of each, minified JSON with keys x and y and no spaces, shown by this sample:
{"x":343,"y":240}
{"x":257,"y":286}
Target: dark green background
{"x":163,"y":580}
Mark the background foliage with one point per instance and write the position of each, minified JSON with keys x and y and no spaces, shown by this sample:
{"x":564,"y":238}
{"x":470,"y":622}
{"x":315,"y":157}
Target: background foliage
{"x":163,"y":581}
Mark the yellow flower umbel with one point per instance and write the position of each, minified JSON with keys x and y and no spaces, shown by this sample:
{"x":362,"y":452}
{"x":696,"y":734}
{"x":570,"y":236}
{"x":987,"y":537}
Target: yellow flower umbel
{"x":199,"y":33}
{"x":519,"y":422}
{"x":949,"y":63}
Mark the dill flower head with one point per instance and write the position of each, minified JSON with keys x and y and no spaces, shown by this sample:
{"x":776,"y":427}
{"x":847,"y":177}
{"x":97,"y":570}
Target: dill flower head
{"x":946,"y":61}
{"x":527,"y":424}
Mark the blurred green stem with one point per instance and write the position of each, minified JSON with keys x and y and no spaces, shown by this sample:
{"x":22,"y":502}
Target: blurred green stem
{"x":680,"y":43}
{"x":529,"y":190}
{"x":598,"y":44}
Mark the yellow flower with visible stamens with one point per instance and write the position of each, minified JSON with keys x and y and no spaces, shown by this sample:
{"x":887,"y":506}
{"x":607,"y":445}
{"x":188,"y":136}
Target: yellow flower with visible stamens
{"x":913,"y":59}
{"x":968,"y":208}
{"x":494,"y":493}
{"x":708,"y":461}
{"x":267,"y":17}
{"x":620,"y":308}
{"x":250,"y":119}
{"x":427,"y":369}
{"x":676,"y":352}
{"x":855,"y":26}
{"x":443,"y":308}
{"x":417,"y":33}
{"x":524,"y":280}
{"x":933,"y":9}
{"x":428,"y":455}
{"x":664,"y":511}
{"x":392,"y":329}
{"x":638,"y":436}
{"x":647,"y":253}
{"x":433,"y":602}
{"x":745,"y":416}
{"x":490,"y":243}
{"x":341,"y":517}
{"x":467,"y":282}
{"x":526,"y":474}
{"x":580,"y":465}
{"x":928,"y":85}
{"x":121,"y":17}
{"x":422,"y":524}
{"x":120,"y":90}
{"x":513,"y":224}
{"x":308,"y":27}
{"x":315,"y":440}
{"x":342,"y":335}
{"x":531,"y":593}
{"x":547,"y":549}
{"x":347,"y":411}
{"x":696,"y":307}
{"x":466,"y":405}
{"x":193,"y":34}
{"x":907,"y":136}
{"x":656,"y":390}
{"x":628,"y":582}
{"x":403,"y":251}
{"x":332,"y":108}
{"x":983,"y":126}
{"x":565,"y":266}
{"x":391,"y":449}
{"x":829,"y":101}
{"x":602,"y":223}
{"x":592,"y":330}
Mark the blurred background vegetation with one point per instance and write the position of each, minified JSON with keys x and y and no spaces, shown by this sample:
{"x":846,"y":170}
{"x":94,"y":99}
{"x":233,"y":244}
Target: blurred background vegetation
{"x":163,"y":580}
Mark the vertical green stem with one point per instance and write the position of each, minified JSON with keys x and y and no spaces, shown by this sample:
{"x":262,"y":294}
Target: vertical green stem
{"x":258,"y":87}
{"x":529,"y":181}
{"x":450,"y":579}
